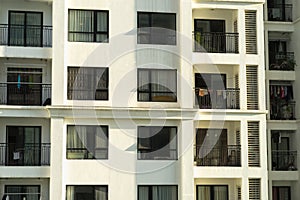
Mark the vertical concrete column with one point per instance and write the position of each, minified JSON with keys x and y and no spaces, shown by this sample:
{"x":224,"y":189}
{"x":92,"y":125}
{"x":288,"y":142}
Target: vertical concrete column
{"x":242,"y":52}
{"x":261,"y":56}
{"x":59,"y":66}
{"x":186,"y":159}
{"x":58,"y":152}
{"x":185,"y":82}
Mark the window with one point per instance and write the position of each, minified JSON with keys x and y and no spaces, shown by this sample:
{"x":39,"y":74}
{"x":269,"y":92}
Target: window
{"x":156,"y":28}
{"x":157,"y":192}
{"x":157,"y":143}
{"x":25,"y":28}
{"x":87,"y":142}
{"x":212,"y":192}
{"x":281,"y":193}
{"x":157,"y":85}
{"x":24,"y":146}
{"x":21,"y":192}
{"x":87,"y":192}
{"x":87,"y":83}
{"x":88,"y":26}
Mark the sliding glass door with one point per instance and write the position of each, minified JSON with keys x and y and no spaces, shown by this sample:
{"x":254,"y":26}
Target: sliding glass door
{"x":23,"y":146}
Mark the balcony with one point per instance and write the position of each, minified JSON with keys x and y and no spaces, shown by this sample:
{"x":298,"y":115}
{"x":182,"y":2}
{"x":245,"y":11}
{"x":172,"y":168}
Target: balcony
{"x":282,"y":110}
{"x":283,"y":61}
{"x":25,"y":36}
{"x":280,"y":12}
{"x":28,"y":154}
{"x":35,"y":94}
{"x":218,"y":99}
{"x":284,"y":160}
{"x":229,"y":155}
{"x":212,"y":42}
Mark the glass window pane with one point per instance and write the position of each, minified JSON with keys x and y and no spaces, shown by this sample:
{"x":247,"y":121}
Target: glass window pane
{"x":102,"y":21}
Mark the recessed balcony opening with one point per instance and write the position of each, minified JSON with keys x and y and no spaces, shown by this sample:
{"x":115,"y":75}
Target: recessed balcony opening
{"x":218,"y":146}
{"x":280,"y":55}
{"x":280,"y":10}
{"x":282,"y":104}
{"x":215,"y":36}
{"x":283,"y":157}
{"x":217,"y":90}
{"x":23,"y":147}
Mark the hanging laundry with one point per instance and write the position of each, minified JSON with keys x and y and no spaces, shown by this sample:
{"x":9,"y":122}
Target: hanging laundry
{"x":19,"y":81}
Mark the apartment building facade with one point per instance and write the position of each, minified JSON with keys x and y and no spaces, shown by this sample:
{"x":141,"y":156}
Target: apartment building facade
{"x":159,"y":99}
{"x":282,"y":57}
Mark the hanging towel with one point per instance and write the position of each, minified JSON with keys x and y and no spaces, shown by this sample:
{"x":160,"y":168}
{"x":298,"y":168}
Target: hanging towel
{"x":19,"y":81}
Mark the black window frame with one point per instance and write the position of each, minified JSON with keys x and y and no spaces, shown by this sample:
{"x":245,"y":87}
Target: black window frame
{"x":172,"y":98}
{"x":25,"y":26}
{"x":150,"y":22}
{"x":153,"y":153}
{"x":97,"y":91}
{"x":23,"y":187}
{"x":88,"y":153}
{"x":92,"y":186}
{"x":150,"y":188}
{"x":94,"y":32}
{"x":212,"y":190}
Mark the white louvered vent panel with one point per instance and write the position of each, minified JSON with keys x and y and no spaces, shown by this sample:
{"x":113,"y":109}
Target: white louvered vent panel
{"x":251,"y":40}
{"x":252,"y":88}
{"x":253,"y":144}
{"x":254,"y":189}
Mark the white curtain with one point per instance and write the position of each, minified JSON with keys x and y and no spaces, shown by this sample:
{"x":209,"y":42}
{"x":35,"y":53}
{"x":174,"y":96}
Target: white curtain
{"x":143,"y":193}
{"x":164,"y":193}
{"x":220,"y":193}
{"x":203,"y":193}
{"x":33,"y":30}
{"x":101,"y":193}
{"x":77,"y":138}
{"x":70,"y":192}
{"x":173,"y":143}
{"x":16,"y":31}
{"x":101,"y":26}
{"x":101,"y":142}
{"x":81,"y":22}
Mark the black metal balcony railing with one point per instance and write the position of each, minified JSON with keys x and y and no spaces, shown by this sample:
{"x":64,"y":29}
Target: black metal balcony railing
{"x":218,"y":99}
{"x":229,"y":155}
{"x":25,"y":94}
{"x":20,"y":35}
{"x":280,"y":12}
{"x":282,"y":110}
{"x":284,"y":160}
{"x":28,"y":154}
{"x":283,"y":61}
{"x":216,"y":42}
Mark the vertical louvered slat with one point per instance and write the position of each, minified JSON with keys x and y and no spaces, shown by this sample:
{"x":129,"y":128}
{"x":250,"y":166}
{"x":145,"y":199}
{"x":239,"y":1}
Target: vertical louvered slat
{"x":237,"y":86}
{"x":254,"y":189}
{"x":251,"y":40}
{"x":239,"y":193}
{"x":253,"y":144}
{"x":252,"y":88}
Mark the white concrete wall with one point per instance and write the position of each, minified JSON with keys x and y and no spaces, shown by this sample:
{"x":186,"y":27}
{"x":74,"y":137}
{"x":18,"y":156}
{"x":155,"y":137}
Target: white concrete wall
{"x":22,"y":5}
